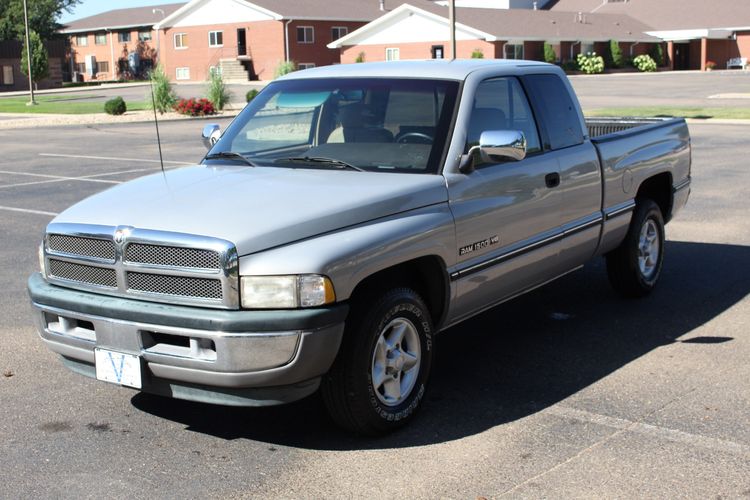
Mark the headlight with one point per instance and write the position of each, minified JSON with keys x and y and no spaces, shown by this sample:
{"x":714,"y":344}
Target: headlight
{"x":286,"y":292}
{"x":42,"y":268}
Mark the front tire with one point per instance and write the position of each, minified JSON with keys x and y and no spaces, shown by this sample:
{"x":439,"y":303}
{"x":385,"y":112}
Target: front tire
{"x":379,"y":378}
{"x":634,"y":267}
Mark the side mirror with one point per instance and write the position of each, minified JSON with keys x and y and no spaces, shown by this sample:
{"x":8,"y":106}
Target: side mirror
{"x":211,"y":134}
{"x":503,"y":144}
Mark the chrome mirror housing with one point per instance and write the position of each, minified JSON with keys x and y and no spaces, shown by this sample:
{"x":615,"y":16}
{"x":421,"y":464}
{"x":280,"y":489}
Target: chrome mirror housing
{"x":211,"y":134}
{"x":506,"y":144}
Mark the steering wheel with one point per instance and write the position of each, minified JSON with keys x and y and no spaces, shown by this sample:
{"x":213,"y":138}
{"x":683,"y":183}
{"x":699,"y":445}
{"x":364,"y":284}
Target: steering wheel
{"x":422,"y":138}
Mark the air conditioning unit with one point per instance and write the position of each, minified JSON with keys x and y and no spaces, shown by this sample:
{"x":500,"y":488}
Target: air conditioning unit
{"x":91,"y":65}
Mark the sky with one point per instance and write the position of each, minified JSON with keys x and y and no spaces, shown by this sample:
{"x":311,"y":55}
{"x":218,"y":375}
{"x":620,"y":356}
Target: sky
{"x":90,"y":7}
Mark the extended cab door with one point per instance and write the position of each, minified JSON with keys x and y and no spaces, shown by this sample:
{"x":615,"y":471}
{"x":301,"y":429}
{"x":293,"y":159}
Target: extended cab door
{"x":506,"y":212}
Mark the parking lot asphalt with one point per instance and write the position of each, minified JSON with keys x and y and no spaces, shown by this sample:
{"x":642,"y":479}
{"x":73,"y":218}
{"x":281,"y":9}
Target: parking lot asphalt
{"x":568,"y":391}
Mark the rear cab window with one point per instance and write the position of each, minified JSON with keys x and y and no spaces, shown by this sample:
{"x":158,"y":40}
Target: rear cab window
{"x":560,"y":124}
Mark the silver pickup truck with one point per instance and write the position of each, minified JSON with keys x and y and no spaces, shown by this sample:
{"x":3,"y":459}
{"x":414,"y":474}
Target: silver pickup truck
{"x":347,"y":215}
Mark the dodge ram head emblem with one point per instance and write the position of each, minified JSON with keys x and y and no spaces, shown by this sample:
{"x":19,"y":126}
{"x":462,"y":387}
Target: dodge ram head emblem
{"x":122,"y":233}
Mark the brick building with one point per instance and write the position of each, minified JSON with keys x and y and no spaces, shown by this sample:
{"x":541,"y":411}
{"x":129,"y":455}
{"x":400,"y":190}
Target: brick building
{"x":11,"y":77}
{"x":248,"y":40}
{"x":115,"y":44}
{"x":696,"y":31}
{"x":420,"y":30}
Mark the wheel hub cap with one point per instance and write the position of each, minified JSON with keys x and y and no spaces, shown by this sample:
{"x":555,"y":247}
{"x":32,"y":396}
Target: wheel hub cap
{"x":648,"y":249}
{"x":395,"y":362}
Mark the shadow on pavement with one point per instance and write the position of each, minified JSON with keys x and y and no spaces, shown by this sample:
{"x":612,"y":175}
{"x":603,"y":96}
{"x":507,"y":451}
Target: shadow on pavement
{"x":516,"y":359}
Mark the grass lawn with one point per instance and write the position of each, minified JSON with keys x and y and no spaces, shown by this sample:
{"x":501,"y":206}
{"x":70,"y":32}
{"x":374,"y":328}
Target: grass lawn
{"x":726,"y":113}
{"x":73,"y":104}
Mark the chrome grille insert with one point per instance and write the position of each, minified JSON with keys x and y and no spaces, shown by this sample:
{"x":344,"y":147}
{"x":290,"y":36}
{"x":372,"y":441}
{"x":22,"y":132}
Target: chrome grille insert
{"x":77,"y":245}
{"x":175,"y":285}
{"x":91,"y":275}
{"x":194,"y":258}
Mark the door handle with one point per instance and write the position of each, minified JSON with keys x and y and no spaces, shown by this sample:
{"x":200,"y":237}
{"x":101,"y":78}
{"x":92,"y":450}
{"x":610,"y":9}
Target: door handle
{"x":552,"y":180}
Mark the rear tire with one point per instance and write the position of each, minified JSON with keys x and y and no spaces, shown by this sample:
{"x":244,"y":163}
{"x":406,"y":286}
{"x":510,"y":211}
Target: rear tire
{"x":379,"y":378}
{"x":634,"y":267}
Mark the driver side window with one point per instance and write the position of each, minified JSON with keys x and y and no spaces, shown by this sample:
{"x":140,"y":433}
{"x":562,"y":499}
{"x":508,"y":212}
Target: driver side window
{"x":500,"y":104}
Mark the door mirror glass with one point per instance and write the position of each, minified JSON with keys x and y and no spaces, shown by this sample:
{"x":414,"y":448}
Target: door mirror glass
{"x":504,"y":144}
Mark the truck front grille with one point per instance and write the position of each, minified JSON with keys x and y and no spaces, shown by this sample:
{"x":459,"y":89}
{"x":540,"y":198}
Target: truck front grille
{"x":172,"y":256}
{"x":92,"y":275}
{"x":148,"y":265}
{"x":175,"y":285}
{"x":87,"y":247}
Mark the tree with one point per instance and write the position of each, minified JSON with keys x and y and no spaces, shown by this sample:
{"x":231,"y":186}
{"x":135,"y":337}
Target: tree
{"x":39,"y":58}
{"x":549,"y":53}
{"x":43,"y":16}
{"x":615,"y":53}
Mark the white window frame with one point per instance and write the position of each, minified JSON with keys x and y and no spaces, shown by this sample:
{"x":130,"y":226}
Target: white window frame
{"x":96,"y":38}
{"x":142,"y":38}
{"x":123,"y":34}
{"x":216,"y":32}
{"x":99,"y":67}
{"x":182,"y":73}
{"x":183,"y":38}
{"x":392,"y":54}
{"x":515,"y":50}
{"x":312,"y":34}
{"x":305,"y":65}
{"x":342,"y":32}
{"x":84,"y":39}
{"x":8,"y":78}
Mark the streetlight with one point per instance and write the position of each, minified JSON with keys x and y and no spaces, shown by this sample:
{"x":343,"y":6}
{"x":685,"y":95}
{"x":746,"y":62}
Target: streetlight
{"x":28,"y":54}
{"x":158,"y":29}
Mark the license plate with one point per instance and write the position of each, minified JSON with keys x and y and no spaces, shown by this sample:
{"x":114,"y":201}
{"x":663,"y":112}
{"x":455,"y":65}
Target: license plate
{"x":118,"y":368}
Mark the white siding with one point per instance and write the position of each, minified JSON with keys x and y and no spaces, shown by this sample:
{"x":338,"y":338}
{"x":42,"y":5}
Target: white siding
{"x":415,"y":28}
{"x":221,"y":12}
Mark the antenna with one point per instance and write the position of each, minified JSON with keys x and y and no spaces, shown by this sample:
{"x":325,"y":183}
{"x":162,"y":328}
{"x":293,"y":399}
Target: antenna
{"x":156,"y":124}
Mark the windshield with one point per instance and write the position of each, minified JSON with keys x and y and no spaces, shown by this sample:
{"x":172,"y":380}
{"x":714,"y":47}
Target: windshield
{"x":388,"y":125}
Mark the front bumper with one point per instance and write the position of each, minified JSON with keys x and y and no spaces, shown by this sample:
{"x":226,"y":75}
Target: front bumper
{"x":244,"y":358}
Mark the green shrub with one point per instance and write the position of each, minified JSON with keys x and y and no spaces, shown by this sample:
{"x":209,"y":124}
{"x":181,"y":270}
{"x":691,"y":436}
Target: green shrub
{"x":284,"y":67}
{"x":549,"y":53}
{"x":251,"y":94}
{"x":164,"y":96}
{"x":615,"y":53}
{"x":570,"y":65}
{"x":360,"y":58}
{"x":217,"y":91}
{"x":477,"y":54}
{"x":644,"y":63}
{"x":115,"y":106}
{"x":590,"y":63}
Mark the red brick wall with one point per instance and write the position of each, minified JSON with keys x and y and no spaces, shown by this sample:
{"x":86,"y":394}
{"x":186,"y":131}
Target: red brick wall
{"x":317,"y":52}
{"x":743,"y":44}
{"x":197,"y":56}
{"x":147,"y":50}
{"x":265,"y":42}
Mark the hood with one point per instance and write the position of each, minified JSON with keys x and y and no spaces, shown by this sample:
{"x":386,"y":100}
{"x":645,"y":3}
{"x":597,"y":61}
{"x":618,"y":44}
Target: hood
{"x":256,"y":207}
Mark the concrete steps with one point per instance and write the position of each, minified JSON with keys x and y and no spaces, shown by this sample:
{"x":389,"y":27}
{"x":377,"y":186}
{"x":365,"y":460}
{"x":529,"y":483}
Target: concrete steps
{"x":233,"y":70}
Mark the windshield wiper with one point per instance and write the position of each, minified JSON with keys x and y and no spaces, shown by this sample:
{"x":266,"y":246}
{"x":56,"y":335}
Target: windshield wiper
{"x":229,"y":155}
{"x":320,"y":160}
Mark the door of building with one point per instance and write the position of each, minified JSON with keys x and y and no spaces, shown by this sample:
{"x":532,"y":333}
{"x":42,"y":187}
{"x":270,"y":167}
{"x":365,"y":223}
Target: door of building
{"x":681,"y":56}
{"x":241,"y":42}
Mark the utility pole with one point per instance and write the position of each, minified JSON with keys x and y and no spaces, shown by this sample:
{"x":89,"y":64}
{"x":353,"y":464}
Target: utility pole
{"x":158,"y":29}
{"x":452,"y":21}
{"x":28,"y":54}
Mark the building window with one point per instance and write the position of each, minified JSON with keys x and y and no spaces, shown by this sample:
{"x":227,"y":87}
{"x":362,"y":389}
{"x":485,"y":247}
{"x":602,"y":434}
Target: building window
{"x":305,"y":65}
{"x":338,"y":31}
{"x":180,"y":41}
{"x":215,"y":70}
{"x":392,"y":54}
{"x":182,"y":74}
{"x":587,"y":48}
{"x":438,"y":52}
{"x":513,"y":51}
{"x":102,"y":66}
{"x":305,"y":34}
{"x":144,"y":36}
{"x":82,"y":40}
{"x":81,"y":68}
{"x":7,"y":75}
{"x":100,"y":39}
{"x":215,"y":38}
{"x":123,"y":36}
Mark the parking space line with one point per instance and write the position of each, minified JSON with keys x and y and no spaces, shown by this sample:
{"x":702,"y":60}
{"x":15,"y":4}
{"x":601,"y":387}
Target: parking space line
{"x":28,"y":211}
{"x":112,"y":158}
